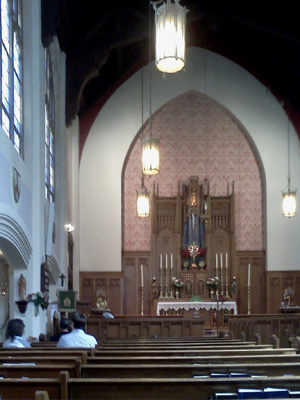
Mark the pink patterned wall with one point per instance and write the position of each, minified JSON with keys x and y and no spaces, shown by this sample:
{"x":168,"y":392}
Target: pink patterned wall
{"x":197,"y":137}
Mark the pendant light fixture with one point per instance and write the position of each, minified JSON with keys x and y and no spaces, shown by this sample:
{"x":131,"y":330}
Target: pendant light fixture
{"x":150,"y":145}
{"x":143,"y":201}
{"x":170,"y":20}
{"x":289,"y":196}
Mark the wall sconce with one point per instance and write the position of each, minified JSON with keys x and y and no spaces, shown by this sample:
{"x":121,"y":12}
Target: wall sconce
{"x":170,"y":20}
{"x":70,"y":228}
{"x":143,"y":201}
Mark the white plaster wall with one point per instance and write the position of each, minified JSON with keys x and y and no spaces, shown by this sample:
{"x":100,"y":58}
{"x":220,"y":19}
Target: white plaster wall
{"x":29,"y":212}
{"x":120,"y":119}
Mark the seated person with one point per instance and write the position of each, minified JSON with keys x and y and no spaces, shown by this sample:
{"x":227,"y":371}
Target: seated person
{"x":107,"y":314}
{"x":77,"y":337}
{"x":14,"y":333}
{"x":64,"y":326}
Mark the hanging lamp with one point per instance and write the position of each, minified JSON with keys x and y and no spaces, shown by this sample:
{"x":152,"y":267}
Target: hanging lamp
{"x":170,"y":20}
{"x":150,"y":145}
{"x":289,"y":203}
{"x":143,"y":201}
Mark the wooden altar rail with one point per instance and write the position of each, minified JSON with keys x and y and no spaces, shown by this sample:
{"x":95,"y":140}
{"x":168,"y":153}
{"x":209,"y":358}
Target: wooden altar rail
{"x":281,"y":325}
{"x":147,"y":326}
{"x":65,"y":388}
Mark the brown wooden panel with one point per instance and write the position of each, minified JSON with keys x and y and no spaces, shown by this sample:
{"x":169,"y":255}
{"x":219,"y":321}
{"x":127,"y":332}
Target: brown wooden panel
{"x":130,"y":301}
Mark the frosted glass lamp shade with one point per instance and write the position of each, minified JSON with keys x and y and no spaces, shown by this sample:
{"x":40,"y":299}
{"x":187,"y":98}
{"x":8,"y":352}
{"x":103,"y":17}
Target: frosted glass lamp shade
{"x":170,"y":20}
{"x":150,"y":156}
{"x":289,"y":204}
{"x":143,"y":203}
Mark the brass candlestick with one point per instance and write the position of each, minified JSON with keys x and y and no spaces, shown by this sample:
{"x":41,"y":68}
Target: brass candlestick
{"x":249,"y":298}
{"x":142,"y":300}
{"x":161,"y":284}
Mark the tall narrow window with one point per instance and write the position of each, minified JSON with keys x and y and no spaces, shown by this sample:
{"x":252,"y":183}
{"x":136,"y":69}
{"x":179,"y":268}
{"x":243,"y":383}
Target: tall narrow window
{"x":11,"y":85}
{"x":49,"y":130}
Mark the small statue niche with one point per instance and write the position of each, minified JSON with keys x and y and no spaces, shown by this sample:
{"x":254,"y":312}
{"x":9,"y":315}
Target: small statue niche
{"x":195,"y":212}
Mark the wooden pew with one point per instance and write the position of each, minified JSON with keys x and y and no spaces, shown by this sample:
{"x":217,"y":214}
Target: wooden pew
{"x":190,"y":346}
{"x":166,"y":388}
{"x":25,"y":389}
{"x":65,"y":388}
{"x":185,"y":370}
{"x":29,"y":352}
{"x":65,"y":359}
{"x":244,"y":352}
{"x":39,"y":370}
{"x":215,"y":359}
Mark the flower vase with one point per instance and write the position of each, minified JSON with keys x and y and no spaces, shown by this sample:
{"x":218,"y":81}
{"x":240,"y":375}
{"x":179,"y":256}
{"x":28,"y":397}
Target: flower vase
{"x":211,"y":293}
{"x":177,"y":293}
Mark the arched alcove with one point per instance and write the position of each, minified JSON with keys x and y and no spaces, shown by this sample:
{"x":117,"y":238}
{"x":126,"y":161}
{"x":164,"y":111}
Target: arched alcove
{"x":198,"y":137}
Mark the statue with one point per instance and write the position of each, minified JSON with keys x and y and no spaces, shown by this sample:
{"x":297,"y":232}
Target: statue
{"x":101,"y":302}
{"x":22,"y":287}
{"x":288,"y":296}
{"x":154,"y":287}
{"x":233,"y":287}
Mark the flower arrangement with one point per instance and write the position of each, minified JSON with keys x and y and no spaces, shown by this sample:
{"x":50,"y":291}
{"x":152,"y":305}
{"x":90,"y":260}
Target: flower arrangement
{"x":38,"y":299}
{"x":177,"y":282}
{"x":212,"y":283}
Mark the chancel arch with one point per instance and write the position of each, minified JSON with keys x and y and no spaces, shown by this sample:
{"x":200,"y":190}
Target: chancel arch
{"x":200,"y":140}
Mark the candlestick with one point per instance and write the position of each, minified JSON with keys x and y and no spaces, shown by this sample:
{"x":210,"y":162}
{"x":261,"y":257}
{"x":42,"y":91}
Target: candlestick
{"x":161,"y":279}
{"x":216,"y":264}
{"x":142,"y":300}
{"x":249,"y":268}
{"x":142,"y":276}
{"x":221,"y":257}
{"x":249,"y":298}
{"x":221,"y":273}
{"x":166,"y":278}
{"x":226,"y":276}
{"x":171,"y":276}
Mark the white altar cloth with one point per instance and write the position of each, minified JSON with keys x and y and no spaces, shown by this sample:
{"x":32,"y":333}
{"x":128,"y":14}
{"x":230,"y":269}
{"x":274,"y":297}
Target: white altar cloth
{"x":197,"y":305}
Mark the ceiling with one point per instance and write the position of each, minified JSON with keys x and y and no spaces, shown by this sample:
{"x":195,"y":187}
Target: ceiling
{"x":106,"y":42}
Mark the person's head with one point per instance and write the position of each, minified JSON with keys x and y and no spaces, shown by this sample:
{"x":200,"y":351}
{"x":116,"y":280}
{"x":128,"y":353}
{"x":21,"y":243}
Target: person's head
{"x":78,"y":320}
{"x":65,"y":324}
{"x":15,"y":327}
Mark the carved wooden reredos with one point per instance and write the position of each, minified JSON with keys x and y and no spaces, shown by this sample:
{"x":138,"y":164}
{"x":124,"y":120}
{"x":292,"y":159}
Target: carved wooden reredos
{"x":188,"y":231}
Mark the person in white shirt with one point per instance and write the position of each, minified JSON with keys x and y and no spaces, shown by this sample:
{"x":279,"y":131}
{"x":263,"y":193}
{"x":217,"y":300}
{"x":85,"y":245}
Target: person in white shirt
{"x":15,"y":330}
{"x":77,"y":337}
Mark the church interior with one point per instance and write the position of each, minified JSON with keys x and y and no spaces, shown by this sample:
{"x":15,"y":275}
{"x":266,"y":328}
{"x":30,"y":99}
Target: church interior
{"x":213,"y":254}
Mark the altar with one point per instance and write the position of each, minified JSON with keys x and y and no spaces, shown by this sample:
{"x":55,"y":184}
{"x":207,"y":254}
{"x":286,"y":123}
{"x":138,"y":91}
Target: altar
{"x":213,"y":311}
{"x":197,"y":305}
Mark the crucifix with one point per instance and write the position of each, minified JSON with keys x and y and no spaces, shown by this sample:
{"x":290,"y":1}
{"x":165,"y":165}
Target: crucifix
{"x":62,"y":277}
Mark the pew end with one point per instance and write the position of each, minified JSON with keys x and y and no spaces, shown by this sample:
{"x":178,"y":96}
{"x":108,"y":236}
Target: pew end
{"x":41,"y":395}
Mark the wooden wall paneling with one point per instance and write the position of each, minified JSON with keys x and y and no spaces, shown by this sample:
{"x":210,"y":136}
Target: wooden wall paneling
{"x":91,"y":281}
{"x":277,"y":282}
{"x":114,"y":295}
{"x":144,"y":260}
{"x":258,"y":297}
{"x":87,"y":289}
{"x":132,"y":283}
{"x":130,"y":300}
